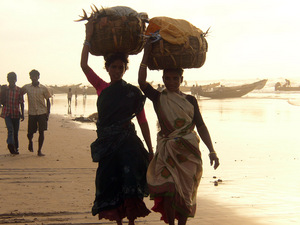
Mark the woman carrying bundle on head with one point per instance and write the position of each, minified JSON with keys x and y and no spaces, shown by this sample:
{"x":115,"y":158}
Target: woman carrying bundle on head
{"x":121,"y":156}
{"x":174,"y":173}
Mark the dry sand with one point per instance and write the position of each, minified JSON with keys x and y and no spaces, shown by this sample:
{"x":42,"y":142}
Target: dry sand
{"x":59,"y":188}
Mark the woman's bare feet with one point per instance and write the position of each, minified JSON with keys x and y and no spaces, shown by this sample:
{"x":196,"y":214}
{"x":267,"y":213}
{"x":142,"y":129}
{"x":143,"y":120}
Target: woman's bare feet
{"x":40,"y":153}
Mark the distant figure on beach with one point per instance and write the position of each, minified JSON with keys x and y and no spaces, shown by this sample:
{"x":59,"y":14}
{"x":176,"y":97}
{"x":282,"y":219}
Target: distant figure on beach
{"x":84,"y":95}
{"x":84,"y":91}
{"x":12,"y":112}
{"x":174,"y":173}
{"x":287,"y":83}
{"x":277,"y":86}
{"x":75,"y":96}
{"x":52,"y":96}
{"x":38,"y":109}
{"x":159,"y":88}
{"x":193,"y":90}
{"x":121,"y":175}
{"x":69,"y":95}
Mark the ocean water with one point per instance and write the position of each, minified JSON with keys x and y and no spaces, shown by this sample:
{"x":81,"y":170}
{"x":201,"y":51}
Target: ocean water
{"x":257,"y":140}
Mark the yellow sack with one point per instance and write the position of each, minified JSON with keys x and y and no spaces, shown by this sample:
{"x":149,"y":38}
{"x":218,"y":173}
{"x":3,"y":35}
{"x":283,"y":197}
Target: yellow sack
{"x":174,"y":31}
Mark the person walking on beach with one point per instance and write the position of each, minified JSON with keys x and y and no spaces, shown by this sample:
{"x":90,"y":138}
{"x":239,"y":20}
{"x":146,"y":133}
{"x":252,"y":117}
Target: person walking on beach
{"x":69,"y":96}
{"x":121,"y":156}
{"x":38,"y":109}
{"x":12,"y":102}
{"x":75,"y":96}
{"x":52,"y":96}
{"x":174,"y":173}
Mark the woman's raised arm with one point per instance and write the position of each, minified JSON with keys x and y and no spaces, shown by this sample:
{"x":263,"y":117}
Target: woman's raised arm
{"x":143,"y":66}
{"x":89,"y":28}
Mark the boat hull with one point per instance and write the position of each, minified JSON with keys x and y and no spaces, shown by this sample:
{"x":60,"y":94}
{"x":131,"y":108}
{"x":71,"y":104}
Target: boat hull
{"x":287,"y":89}
{"x":230,"y":92}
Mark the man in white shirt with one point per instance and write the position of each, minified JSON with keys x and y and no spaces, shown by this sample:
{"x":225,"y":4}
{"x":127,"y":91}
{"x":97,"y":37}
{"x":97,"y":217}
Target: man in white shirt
{"x":38,"y":109}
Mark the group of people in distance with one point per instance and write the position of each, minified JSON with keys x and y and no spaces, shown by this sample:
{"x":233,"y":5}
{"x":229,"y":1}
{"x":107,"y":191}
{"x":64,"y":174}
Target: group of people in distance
{"x":127,"y":172}
{"x":13,"y":110}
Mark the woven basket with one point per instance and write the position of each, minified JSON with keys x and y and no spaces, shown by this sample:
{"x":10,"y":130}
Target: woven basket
{"x":118,"y":34}
{"x":165,"y":55}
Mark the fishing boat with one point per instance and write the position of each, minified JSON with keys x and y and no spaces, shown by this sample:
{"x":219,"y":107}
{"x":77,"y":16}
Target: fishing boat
{"x":229,"y":92}
{"x":209,"y":86}
{"x":287,"y":89}
{"x":261,"y":84}
{"x":194,"y":88}
{"x":279,"y":87}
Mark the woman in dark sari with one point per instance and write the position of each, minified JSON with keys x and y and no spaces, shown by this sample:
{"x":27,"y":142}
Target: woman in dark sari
{"x":121,"y":156}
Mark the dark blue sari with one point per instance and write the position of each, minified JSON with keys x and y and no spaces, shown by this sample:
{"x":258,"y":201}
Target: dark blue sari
{"x":121,"y":156}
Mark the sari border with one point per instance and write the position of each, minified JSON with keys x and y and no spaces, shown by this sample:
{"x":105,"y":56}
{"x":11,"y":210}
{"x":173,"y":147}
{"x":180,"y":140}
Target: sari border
{"x":168,"y":190}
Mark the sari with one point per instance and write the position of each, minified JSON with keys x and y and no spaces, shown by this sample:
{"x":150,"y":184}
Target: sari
{"x":176,"y":168}
{"x":121,"y":156}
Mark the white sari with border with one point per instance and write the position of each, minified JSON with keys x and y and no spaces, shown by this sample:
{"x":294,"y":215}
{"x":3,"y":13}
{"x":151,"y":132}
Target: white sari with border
{"x":176,"y":168}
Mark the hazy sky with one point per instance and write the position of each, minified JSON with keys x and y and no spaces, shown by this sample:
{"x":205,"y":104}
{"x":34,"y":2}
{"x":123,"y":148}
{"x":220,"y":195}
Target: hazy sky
{"x":247,"y":39}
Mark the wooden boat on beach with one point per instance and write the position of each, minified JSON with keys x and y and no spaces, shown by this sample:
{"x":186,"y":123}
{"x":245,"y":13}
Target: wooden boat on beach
{"x":261,"y":84}
{"x":194,"y":88}
{"x":279,"y":87}
{"x":209,"y":86}
{"x":230,"y":92}
{"x":287,"y":89}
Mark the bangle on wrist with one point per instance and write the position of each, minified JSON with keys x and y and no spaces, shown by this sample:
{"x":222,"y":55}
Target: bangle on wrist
{"x":87,"y":43}
{"x":143,"y":65}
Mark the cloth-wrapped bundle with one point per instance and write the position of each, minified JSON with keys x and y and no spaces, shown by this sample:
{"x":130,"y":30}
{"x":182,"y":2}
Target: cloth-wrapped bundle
{"x":182,"y":45}
{"x":117,"y":29}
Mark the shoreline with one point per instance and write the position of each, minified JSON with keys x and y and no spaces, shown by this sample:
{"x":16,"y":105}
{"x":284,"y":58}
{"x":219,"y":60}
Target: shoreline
{"x":59,"y":188}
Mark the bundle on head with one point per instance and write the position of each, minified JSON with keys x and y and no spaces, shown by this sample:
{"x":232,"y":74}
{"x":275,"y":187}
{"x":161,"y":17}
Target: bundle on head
{"x":178,"y":44}
{"x":117,"y":29}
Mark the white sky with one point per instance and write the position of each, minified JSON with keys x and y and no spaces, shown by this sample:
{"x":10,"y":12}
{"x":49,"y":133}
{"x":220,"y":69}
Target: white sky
{"x":248,"y":38}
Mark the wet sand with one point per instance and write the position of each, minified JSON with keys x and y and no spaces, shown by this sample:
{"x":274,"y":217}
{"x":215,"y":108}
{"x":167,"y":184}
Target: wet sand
{"x":59,"y":188}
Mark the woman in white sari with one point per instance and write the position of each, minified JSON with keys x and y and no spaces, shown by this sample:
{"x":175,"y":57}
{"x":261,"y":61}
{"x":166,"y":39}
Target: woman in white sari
{"x":174,"y":173}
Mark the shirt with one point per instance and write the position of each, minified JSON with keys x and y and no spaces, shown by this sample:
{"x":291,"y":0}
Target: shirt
{"x":100,"y":85}
{"x":69,"y":95}
{"x":36,"y":98}
{"x":14,"y":98}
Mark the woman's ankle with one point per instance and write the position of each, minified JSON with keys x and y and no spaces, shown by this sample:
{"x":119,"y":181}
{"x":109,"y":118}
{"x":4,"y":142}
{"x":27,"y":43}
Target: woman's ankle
{"x":131,"y":222}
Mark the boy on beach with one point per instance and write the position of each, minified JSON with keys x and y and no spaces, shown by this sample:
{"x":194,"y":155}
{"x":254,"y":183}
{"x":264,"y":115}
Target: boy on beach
{"x":12,"y":100}
{"x":38,"y":109}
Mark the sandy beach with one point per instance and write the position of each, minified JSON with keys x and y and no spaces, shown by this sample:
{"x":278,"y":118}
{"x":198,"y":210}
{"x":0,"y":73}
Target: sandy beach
{"x":59,"y":188}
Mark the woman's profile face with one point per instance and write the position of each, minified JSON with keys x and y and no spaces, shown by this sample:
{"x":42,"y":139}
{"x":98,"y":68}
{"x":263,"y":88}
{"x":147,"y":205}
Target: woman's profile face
{"x":116,"y":70}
